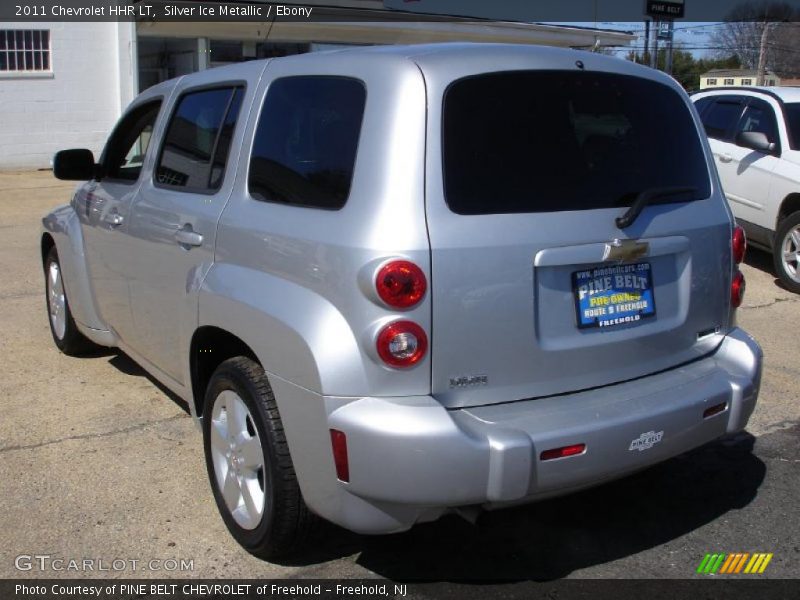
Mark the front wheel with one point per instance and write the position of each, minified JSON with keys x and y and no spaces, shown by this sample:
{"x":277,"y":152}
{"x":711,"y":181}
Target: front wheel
{"x":65,"y":333}
{"x":787,"y":252}
{"x":248,"y":462}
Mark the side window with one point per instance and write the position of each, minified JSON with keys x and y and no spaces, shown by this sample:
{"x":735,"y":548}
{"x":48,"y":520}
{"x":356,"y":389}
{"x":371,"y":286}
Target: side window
{"x":198,"y":138}
{"x":305,"y":144}
{"x":720,"y":118}
{"x":124,"y":154}
{"x":702,"y":104}
{"x":759,"y":116}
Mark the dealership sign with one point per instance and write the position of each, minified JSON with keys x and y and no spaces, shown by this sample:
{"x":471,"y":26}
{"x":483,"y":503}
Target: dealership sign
{"x":664,"y":10}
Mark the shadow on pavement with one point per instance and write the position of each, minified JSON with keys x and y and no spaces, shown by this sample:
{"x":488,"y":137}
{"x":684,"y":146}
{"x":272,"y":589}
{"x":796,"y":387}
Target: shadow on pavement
{"x":761,"y":260}
{"x":122,"y":362}
{"x":553,"y":538}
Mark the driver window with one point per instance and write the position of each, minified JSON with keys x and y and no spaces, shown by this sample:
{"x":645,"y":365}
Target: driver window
{"x":127,"y":148}
{"x":759,"y":117}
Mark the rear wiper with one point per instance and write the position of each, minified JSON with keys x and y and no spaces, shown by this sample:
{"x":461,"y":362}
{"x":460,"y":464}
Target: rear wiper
{"x":646,"y":197}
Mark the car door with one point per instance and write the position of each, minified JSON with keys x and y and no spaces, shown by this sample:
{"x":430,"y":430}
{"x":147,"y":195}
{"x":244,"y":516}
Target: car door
{"x":174,"y":219}
{"x":103,"y":207}
{"x":751,"y":170}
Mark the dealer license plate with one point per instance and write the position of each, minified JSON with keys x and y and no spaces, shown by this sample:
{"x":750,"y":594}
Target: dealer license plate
{"x":613,"y":295}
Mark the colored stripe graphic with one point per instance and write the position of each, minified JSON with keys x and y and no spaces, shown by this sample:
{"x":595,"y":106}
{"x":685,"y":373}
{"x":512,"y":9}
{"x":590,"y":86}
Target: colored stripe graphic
{"x":735,"y":563}
{"x":726,"y":566}
{"x":703,"y":563}
{"x":754,"y":563}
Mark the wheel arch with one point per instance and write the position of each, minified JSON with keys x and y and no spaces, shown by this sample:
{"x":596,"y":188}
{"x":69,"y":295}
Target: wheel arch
{"x":789,"y":206}
{"x":209,"y":348}
{"x":46,"y":243}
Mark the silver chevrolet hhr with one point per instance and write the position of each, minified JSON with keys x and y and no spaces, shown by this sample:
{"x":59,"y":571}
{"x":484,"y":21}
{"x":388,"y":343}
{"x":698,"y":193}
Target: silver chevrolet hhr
{"x":393,"y":283}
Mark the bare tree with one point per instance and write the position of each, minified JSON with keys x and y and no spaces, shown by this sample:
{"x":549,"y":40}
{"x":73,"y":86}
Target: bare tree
{"x":744,"y":32}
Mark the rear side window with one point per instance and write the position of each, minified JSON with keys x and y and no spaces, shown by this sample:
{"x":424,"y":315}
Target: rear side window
{"x":198,"y":138}
{"x":306,"y":141}
{"x":554,"y":140}
{"x":721,"y":117}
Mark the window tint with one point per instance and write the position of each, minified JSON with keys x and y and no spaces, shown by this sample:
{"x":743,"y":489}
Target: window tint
{"x":759,"y":117}
{"x":196,"y":145}
{"x":553,"y":140}
{"x":128,"y":144}
{"x":793,"y":123}
{"x":305,"y":145}
{"x":702,"y":104}
{"x":719,"y":119}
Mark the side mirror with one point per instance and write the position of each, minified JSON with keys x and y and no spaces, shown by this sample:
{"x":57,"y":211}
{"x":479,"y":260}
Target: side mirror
{"x":74,"y":165}
{"x":755,"y":140}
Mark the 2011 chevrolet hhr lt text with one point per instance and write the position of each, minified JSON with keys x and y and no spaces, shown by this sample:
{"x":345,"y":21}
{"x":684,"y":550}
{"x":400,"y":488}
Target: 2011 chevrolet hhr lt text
{"x":397,"y":282}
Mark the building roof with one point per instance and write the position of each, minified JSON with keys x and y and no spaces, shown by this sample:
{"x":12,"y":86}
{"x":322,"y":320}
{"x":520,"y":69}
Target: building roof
{"x":735,"y":73}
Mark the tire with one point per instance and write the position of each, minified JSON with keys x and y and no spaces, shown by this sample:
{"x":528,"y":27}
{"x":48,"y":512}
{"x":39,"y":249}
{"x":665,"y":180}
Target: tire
{"x":786,"y":255}
{"x":65,"y":333}
{"x":248,"y":462}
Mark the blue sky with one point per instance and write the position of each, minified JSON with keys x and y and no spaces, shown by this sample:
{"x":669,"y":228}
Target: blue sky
{"x":694,"y":36}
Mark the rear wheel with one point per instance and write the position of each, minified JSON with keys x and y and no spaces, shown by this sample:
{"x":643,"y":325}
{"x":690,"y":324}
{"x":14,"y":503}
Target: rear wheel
{"x":787,"y":252}
{"x":65,"y":333}
{"x":248,"y":462}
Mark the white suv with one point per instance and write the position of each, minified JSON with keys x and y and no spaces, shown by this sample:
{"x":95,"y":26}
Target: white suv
{"x":755,"y":137}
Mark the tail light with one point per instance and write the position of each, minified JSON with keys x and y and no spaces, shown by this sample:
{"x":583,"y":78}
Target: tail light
{"x":401,"y":284}
{"x":737,"y":289}
{"x":339,"y":445}
{"x":402,"y":344}
{"x":738,"y":244}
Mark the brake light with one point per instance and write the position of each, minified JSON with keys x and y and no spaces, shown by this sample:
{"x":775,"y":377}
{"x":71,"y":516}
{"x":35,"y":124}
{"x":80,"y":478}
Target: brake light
{"x":339,"y":445}
{"x":737,"y":289}
{"x":738,"y":244}
{"x":402,"y":344}
{"x":401,"y":284}
{"x":563,"y":452}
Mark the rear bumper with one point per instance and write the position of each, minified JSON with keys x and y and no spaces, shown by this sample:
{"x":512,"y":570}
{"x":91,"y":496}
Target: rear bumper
{"x":413,"y":459}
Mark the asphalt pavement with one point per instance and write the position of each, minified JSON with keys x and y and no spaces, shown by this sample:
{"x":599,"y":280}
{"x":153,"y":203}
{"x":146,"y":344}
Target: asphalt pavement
{"x":98,"y":462}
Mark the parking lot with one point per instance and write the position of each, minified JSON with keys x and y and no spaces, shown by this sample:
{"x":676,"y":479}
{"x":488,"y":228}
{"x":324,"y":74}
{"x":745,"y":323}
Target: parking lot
{"x":99,"y":462}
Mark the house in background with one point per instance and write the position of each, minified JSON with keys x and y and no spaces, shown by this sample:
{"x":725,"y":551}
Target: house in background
{"x":64,"y":85}
{"x":735,"y":77}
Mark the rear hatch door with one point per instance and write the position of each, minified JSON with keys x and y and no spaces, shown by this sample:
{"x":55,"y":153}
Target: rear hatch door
{"x":536,"y":289}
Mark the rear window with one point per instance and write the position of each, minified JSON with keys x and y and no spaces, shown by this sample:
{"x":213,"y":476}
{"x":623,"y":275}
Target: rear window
{"x":545,"y":141}
{"x":305,"y":145}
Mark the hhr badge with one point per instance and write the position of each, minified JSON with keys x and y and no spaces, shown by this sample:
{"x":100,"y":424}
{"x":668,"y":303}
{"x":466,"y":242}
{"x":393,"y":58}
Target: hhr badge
{"x":468,"y":381}
{"x":646,"y":441}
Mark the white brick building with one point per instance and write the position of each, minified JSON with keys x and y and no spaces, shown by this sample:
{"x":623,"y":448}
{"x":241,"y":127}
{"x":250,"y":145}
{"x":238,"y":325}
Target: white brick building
{"x":63,"y":85}
{"x":73,"y":102}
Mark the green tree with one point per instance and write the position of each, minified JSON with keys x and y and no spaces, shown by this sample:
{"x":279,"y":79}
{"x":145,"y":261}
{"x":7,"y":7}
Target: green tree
{"x":685,"y":68}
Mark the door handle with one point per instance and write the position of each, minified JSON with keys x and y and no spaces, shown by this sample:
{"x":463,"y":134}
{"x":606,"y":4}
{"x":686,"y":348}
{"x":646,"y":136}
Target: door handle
{"x":187,"y":237}
{"x":726,"y":158}
{"x":114,"y":219}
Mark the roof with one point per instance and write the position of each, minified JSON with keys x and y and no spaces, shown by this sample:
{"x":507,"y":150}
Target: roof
{"x":735,"y":73}
{"x":436,"y":56}
{"x":786,"y":94}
